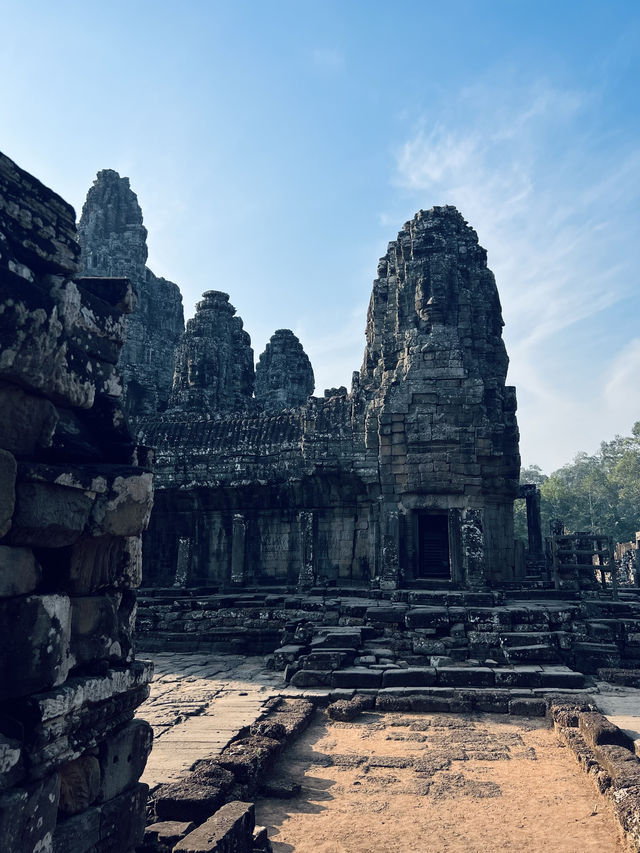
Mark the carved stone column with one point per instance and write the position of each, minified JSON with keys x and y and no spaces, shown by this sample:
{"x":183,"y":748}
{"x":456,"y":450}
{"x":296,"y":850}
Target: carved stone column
{"x":306,"y":578}
{"x":390,"y":548}
{"x":238,"y":535}
{"x":472,"y":535}
{"x":183,"y":566}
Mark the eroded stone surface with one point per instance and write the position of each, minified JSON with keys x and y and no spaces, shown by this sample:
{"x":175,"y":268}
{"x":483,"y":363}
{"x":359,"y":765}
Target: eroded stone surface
{"x":114,"y":243}
{"x":73,"y":502}
{"x":214,"y":361}
{"x":411,"y":475}
{"x":284,"y":376}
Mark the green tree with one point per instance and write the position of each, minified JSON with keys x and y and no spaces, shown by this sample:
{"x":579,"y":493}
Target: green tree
{"x":599,"y":493}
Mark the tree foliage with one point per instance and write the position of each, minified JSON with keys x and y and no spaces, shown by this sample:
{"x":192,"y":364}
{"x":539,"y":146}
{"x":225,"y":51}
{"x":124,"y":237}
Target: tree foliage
{"x":599,"y":493}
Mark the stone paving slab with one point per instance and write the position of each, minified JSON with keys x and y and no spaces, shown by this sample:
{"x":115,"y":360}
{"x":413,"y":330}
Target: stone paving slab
{"x":198,"y":704}
{"x":621,"y":705}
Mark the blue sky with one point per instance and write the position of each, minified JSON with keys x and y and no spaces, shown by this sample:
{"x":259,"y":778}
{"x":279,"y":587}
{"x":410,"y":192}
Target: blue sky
{"x":276,"y":147}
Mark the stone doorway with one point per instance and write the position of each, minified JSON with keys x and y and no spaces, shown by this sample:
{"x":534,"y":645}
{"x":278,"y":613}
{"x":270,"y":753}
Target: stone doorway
{"x":433,"y":545}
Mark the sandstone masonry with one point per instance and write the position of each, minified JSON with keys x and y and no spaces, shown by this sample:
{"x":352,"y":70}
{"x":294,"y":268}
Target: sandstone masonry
{"x":410,"y":476}
{"x":75,"y":495}
{"x":114,"y":243}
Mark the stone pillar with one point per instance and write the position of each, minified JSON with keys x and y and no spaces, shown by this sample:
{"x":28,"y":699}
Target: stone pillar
{"x":183,"y":566}
{"x":390,"y":548}
{"x":238,"y":536}
{"x":531,"y":494}
{"x":473,"y":548}
{"x":306,"y":578}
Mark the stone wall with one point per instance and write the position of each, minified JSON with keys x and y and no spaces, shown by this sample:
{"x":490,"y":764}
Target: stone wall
{"x":75,"y":495}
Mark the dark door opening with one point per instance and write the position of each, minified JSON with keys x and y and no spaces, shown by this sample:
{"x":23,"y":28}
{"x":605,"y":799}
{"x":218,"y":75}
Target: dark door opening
{"x":433,"y":546}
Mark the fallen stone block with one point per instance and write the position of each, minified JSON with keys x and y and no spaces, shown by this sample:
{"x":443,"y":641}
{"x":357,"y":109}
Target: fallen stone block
{"x":248,"y":757}
{"x":310,"y":678}
{"x":230,"y":830}
{"x":280,"y":789}
{"x":163,"y":836}
{"x":261,"y":841}
{"x":196,"y":797}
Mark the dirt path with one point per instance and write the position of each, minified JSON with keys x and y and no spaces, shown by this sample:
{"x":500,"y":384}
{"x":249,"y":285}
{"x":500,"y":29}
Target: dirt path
{"x":410,"y":783}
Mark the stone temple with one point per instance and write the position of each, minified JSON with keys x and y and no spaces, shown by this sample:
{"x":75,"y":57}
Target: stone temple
{"x":411,"y":475}
{"x":363,"y":539}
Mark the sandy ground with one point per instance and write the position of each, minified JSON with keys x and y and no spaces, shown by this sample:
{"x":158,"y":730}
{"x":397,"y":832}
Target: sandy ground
{"x":399,"y":782}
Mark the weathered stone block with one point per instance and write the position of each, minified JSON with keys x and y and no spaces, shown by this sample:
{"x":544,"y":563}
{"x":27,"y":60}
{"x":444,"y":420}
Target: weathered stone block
{"x":79,"y":784}
{"x":527,"y":707}
{"x":410,"y":677}
{"x":122,"y":820}
{"x":78,"y":834}
{"x":356,"y":678}
{"x":195,"y":798}
{"x":248,"y":757}
{"x":28,"y":816}
{"x":20,"y":572}
{"x":163,"y":836}
{"x":123,"y":757}
{"x":94,"y":628}
{"x":125,"y":510}
{"x":465,"y":676}
{"x":49,"y":516}
{"x":96,"y":563}
{"x":39,"y":224}
{"x":230,"y":830}
{"x":7,"y":489}
{"x":34,"y":636}
{"x":11,"y":762}
{"x":596,"y":729}
{"x":31,"y":423}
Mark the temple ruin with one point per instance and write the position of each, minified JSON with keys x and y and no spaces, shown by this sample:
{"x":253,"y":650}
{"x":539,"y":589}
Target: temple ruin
{"x":353,"y":550}
{"x":409,"y":476}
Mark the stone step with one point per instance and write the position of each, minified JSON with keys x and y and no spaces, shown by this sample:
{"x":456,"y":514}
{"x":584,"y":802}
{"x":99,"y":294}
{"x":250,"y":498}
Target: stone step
{"x":532,"y":653}
{"x":522,"y":638}
{"x":590,"y":657}
{"x":328,"y":659}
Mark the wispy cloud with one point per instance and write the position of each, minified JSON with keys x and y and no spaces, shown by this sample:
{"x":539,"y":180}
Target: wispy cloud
{"x":551,"y":203}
